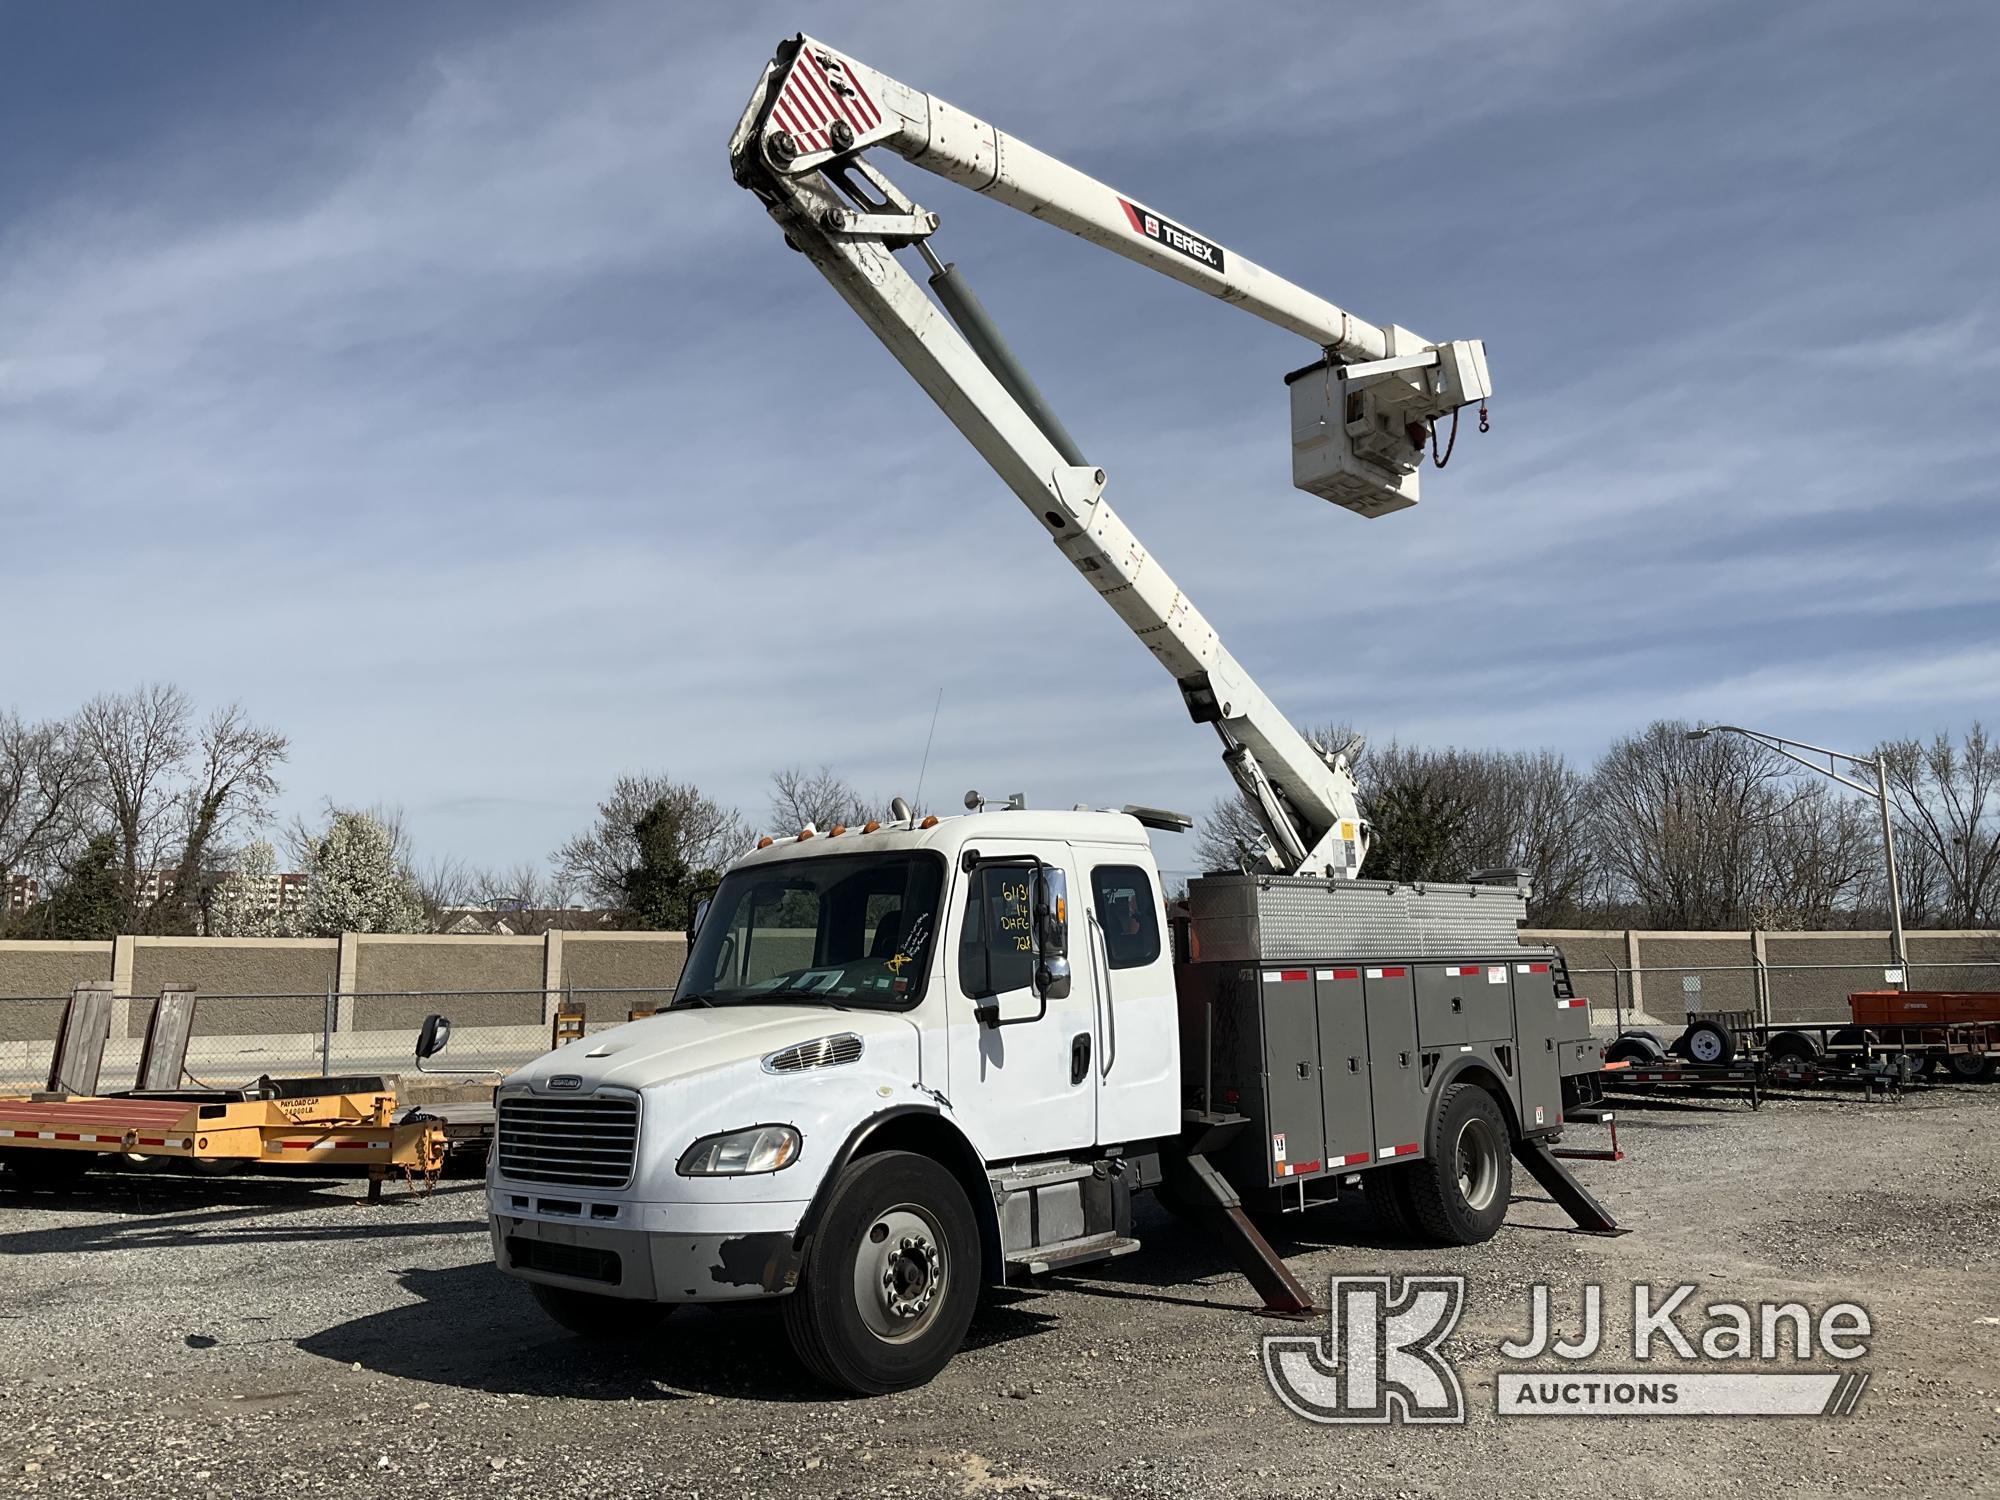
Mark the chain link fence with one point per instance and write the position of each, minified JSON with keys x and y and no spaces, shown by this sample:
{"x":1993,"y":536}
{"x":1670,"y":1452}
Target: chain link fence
{"x":237,"y":1038}
{"x":1775,"y":994}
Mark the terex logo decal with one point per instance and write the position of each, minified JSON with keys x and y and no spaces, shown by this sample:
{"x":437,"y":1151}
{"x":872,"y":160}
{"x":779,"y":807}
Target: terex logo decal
{"x":1170,"y":234}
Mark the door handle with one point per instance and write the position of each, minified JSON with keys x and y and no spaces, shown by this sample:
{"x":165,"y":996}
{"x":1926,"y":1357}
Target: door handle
{"x":1079,"y":1057}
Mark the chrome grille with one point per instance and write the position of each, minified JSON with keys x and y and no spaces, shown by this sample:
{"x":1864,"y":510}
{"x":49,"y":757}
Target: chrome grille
{"x":588,"y":1141}
{"x":820,"y":1052}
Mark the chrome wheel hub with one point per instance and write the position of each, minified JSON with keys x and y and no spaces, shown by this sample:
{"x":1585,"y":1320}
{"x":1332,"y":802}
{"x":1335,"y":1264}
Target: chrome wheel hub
{"x":899,"y":1273}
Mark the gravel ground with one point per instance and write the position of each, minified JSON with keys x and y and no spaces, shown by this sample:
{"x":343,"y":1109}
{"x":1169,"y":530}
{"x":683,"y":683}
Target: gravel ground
{"x":257,"y":1337}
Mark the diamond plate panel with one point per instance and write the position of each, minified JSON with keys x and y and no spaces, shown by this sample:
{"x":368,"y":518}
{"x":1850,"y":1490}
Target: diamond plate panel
{"x":1252,"y":918}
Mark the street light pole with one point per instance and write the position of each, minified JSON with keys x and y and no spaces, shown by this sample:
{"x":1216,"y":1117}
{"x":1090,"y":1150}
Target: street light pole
{"x":1898,"y":953}
{"x":1901,"y":955}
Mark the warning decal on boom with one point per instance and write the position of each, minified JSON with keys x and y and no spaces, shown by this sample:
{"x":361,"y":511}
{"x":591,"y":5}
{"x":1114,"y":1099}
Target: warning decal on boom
{"x":1166,"y":232}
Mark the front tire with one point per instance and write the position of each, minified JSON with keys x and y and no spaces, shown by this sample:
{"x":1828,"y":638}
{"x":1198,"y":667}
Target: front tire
{"x":592,"y":1315}
{"x":1459,"y":1192}
{"x":891,"y":1279}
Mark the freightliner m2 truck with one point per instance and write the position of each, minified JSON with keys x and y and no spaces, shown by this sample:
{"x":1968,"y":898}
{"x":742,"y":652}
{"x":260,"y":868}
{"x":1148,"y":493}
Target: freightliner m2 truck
{"x":913,"y":1059}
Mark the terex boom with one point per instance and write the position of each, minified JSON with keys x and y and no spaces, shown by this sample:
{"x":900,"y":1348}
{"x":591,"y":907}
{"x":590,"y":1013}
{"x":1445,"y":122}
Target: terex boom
{"x":916,"y":1057}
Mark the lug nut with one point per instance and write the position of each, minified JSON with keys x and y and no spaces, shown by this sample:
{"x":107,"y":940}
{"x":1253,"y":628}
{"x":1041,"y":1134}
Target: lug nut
{"x":842,"y":135}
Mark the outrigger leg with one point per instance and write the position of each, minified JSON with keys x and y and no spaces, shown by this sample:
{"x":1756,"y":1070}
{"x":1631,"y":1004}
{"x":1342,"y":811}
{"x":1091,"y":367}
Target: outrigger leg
{"x":1570,"y":1195}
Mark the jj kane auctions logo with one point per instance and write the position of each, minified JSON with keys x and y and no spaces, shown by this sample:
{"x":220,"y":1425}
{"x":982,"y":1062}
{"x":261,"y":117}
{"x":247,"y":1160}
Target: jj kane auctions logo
{"x":1382,"y":1360}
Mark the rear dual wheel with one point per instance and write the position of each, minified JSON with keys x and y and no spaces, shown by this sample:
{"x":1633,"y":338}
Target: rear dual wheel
{"x":1458,"y":1193}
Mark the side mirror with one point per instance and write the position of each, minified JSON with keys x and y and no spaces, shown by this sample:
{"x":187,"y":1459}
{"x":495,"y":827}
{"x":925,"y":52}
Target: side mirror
{"x":433,"y":1036}
{"x":700,"y":916}
{"x":1051,"y":933}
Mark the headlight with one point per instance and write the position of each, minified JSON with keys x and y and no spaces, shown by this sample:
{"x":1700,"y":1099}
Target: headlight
{"x":739,"y":1153}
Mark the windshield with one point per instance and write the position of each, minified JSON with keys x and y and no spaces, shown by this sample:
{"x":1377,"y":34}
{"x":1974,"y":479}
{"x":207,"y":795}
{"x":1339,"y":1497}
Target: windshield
{"x":840,"y":930}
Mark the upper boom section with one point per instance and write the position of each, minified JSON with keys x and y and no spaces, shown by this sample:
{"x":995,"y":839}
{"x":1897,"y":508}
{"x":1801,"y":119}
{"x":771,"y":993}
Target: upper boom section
{"x":1358,"y":432}
{"x":825,"y":91}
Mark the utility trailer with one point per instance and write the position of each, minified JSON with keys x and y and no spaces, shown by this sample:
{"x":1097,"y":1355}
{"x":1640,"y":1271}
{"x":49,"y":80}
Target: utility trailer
{"x":1894,"y":1037}
{"x":52,"y":1140}
{"x":53,"y":1136}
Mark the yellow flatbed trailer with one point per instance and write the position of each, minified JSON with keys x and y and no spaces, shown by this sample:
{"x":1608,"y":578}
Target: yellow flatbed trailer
{"x":54,"y":1138}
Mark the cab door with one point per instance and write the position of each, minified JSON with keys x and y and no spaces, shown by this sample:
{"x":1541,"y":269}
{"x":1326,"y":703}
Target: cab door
{"x":1132,"y":969}
{"x":1027,"y":1086}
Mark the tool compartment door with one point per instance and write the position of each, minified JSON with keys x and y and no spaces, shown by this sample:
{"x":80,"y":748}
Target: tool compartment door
{"x":1395,"y":1072}
{"x":1291,"y":1074}
{"x":1346,"y":1087}
{"x":1540,"y":1024}
{"x":1442,"y":991}
{"x":1489,"y":1002}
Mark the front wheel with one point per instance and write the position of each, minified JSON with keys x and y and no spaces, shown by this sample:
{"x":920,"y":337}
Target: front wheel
{"x":1459,"y":1192}
{"x":592,"y":1315}
{"x":891,"y":1279}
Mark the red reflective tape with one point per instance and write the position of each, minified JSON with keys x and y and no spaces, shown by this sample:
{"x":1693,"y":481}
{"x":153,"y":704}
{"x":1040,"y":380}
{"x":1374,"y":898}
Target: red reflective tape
{"x":1409,"y":1150}
{"x":152,"y":1140}
{"x":64,"y":1135}
{"x":1395,"y":973}
{"x":1346,"y":973}
{"x":1307,"y":1166}
{"x":1468,"y":970}
{"x":1538,"y":968}
{"x":1352,"y":1159}
{"x":1292,"y":976}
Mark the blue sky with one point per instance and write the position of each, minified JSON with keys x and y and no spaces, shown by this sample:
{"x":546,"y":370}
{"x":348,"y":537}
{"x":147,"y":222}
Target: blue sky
{"x":417,"y":376}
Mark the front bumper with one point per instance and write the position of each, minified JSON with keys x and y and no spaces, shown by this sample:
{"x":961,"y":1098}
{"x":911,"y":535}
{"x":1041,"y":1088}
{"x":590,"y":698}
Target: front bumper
{"x":680,"y":1254}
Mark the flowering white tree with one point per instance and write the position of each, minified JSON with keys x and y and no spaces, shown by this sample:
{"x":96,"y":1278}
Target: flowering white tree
{"x":243,"y":902}
{"x":355,"y":881}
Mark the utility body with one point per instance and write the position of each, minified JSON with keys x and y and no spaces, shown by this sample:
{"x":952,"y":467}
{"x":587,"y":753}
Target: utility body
{"x":925,"y":1055}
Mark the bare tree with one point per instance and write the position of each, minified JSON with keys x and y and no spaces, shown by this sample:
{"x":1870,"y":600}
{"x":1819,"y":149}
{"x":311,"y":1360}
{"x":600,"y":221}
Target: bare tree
{"x":597,"y":861}
{"x":443,"y":885}
{"x":47,"y":792}
{"x":1823,"y":860}
{"x":235,"y":778}
{"x":822,"y":798}
{"x":1947,"y":814}
{"x":1231,"y":837}
{"x":138,"y":743}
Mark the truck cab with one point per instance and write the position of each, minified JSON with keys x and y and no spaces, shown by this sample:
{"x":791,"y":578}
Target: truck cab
{"x":903,"y":1060}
